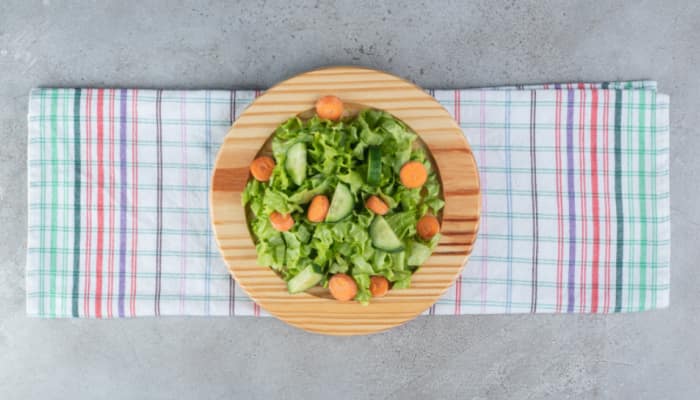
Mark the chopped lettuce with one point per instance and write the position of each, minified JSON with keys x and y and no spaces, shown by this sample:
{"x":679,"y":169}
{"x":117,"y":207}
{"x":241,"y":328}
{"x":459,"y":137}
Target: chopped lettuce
{"x":337,"y":152}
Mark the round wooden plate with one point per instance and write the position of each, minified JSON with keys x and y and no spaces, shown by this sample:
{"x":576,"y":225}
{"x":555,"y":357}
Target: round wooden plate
{"x":369,"y":88}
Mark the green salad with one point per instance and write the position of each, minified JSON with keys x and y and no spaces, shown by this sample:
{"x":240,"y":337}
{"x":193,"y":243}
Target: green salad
{"x":312,"y":217}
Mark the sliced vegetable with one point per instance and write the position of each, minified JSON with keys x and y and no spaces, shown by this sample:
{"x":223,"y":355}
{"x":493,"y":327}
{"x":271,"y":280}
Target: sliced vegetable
{"x":296,"y":163}
{"x":329,"y":107}
{"x":306,"y":279}
{"x":342,"y":204}
{"x":377,"y":206}
{"x":428,"y":226}
{"x":261,"y":168}
{"x":374,"y":165}
{"x":383,"y":237}
{"x":413,"y":174}
{"x":379,"y":286}
{"x":281,"y":222}
{"x":342,"y":287}
{"x":318,"y":209}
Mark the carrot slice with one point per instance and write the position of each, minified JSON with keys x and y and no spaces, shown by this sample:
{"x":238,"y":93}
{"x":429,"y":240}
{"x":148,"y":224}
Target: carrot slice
{"x":281,"y":222}
{"x":318,"y":208}
{"x":329,"y":107}
{"x":377,"y":206}
{"x":378,"y":285}
{"x":342,"y":287}
{"x":261,"y":168}
{"x":413,"y":174}
{"x":428,"y":226}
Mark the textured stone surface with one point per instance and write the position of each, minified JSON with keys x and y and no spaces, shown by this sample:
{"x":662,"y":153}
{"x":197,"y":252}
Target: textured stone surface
{"x":176,"y":44}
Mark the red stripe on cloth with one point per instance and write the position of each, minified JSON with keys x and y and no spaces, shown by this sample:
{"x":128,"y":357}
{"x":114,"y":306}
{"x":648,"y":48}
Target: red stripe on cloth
{"x":594,"y":199}
{"x":134,"y":198}
{"x":560,"y":204}
{"x":100,"y":203}
{"x":111,"y":198}
{"x":458,"y":286}
{"x":88,"y":201}
{"x":606,"y":191}
{"x":582,"y":184}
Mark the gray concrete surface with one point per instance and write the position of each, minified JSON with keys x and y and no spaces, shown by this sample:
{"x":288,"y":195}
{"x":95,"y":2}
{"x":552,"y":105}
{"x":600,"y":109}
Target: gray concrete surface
{"x":180,"y":44}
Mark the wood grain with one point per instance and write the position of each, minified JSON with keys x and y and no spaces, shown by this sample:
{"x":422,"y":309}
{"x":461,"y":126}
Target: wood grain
{"x":316,"y":312}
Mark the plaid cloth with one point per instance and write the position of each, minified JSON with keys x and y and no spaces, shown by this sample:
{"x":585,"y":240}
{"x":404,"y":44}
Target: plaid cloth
{"x":575,"y":215}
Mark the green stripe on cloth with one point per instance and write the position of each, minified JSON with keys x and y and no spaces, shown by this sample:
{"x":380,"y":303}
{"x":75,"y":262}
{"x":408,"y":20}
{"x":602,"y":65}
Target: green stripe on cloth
{"x":642,"y":204}
{"x":616,"y":160}
{"x":54,"y":201}
{"x":42,"y":244}
{"x":76,"y":204}
{"x":631,"y":182}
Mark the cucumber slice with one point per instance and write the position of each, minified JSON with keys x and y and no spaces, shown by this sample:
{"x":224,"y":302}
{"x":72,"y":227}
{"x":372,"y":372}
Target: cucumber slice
{"x":374,"y":166}
{"x":418,"y":253}
{"x":383,"y":237}
{"x":342,"y":204}
{"x":307,"y":278}
{"x":296,"y":162}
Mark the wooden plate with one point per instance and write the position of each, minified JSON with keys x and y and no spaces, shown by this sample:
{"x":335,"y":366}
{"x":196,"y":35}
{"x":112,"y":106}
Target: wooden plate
{"x":368,"y":88}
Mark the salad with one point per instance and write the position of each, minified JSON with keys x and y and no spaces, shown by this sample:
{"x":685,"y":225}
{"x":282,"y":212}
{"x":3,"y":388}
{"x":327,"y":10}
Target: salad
{"x":350,"y":204}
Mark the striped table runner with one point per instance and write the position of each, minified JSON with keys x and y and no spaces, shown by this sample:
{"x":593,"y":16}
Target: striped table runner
{"x":575,"y":213}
